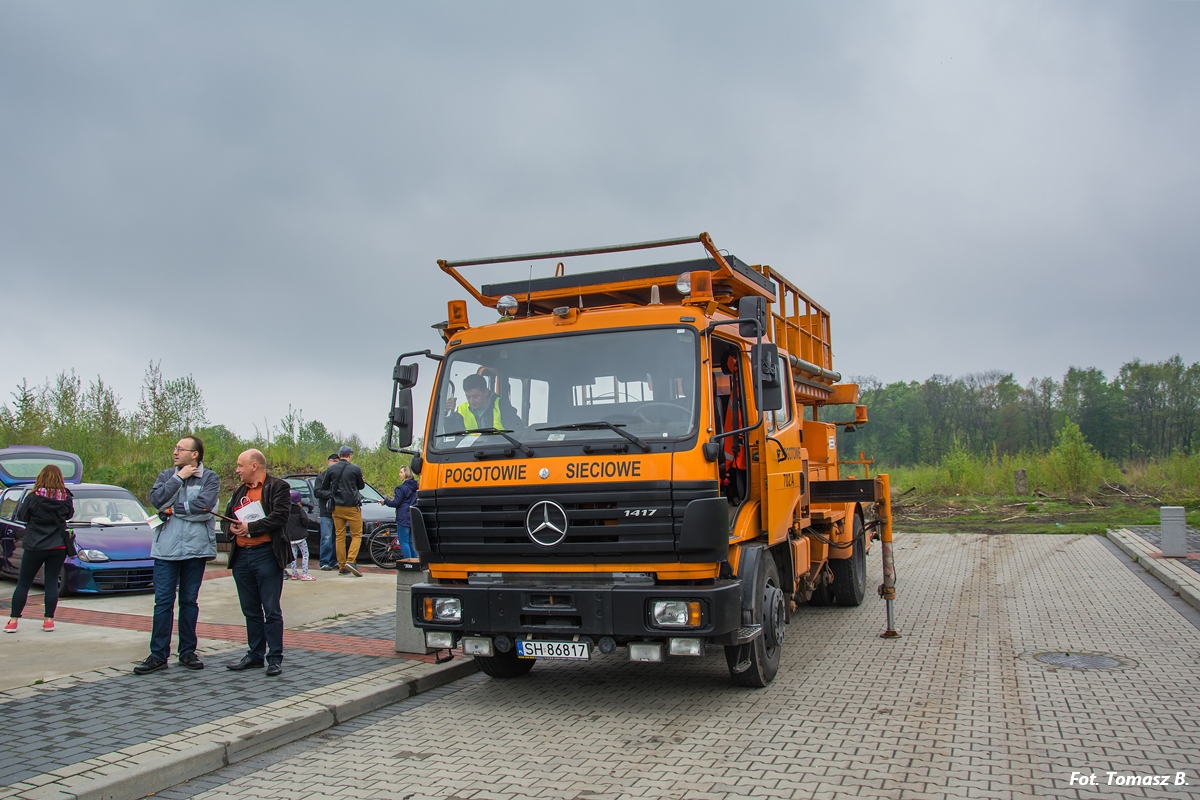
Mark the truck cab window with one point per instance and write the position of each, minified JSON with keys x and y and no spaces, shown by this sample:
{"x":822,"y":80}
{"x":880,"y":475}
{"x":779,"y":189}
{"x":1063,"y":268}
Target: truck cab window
{"x":642,"y":381}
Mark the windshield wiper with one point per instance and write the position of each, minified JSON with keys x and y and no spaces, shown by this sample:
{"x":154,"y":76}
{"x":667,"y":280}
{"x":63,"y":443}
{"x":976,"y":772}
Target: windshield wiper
{"x":493,"y":432}
{"x":598,"y":425}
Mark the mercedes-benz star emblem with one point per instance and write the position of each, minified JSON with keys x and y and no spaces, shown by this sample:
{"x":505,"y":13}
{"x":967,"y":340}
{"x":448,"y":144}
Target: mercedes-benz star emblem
{"x":546,"y":523}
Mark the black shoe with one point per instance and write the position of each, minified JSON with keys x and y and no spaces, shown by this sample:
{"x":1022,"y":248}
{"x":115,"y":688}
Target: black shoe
{"x":191,"y":661}
{"x":151,"y":664}
{"x":326,"y":567}
{"x":247,"y":662}
{"x":343,"y":571}
{"x":353,"y":570}
{"x":274,"y":668}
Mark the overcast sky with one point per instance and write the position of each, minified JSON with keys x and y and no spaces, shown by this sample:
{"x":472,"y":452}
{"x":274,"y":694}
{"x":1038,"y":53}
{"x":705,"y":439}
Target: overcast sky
{"x":256,"y":194}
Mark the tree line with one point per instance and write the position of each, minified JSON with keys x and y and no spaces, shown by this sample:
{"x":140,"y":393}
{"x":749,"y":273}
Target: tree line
{"x":130,"y":446}
{"x":1145,"y":411}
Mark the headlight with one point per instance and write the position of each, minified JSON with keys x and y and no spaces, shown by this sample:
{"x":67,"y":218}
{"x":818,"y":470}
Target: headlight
{"x":683,"y":284}
{"x":92,"y":555}
{"x":676,"y":613}
{"x":442,"y":609}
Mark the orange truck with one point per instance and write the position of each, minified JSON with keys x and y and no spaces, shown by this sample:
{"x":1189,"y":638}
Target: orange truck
{"x":634,"y":459}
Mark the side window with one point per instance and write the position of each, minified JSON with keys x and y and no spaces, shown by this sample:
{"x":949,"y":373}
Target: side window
{"x":9,"y":502}
{"x":783,"y":417}
{"x":300,"y":485}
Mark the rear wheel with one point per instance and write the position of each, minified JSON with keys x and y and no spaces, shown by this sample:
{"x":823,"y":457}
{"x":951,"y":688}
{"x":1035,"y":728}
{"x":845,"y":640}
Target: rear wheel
{"x":850,"y":574}
{"x":764,"y":652}
{"x":504,"y":665}
{"x":382,"y":547}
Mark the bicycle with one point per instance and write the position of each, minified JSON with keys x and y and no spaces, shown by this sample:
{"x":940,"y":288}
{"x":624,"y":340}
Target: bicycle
{"x":383,"y":547}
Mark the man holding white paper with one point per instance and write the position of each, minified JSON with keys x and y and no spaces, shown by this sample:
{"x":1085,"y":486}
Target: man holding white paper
{"x":259,"y":549}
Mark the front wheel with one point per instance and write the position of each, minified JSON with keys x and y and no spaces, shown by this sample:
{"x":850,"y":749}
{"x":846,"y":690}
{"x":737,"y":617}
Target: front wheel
{"x":764,"y":652}
{"x":505,"y":665}
{"x":383,"y":548}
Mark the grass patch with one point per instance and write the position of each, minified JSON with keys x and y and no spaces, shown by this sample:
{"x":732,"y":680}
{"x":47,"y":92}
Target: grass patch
{"x":975,"y":513}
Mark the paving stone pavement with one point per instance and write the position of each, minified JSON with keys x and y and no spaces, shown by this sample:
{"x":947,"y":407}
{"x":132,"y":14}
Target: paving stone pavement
{"x":958,"y":707}
{"x":74,"y":723}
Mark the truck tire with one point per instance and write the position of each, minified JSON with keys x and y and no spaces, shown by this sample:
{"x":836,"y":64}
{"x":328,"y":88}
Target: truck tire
{"x":770,"y":611}
{"x":505,"y":665}
{"x":850,"y":574}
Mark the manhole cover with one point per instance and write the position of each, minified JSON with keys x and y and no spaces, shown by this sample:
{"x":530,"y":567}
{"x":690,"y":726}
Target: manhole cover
{"x":1078,"y":660}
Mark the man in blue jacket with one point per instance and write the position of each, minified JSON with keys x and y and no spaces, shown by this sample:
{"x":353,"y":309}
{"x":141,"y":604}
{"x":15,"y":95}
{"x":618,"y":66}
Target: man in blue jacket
{"x":185,"y":496}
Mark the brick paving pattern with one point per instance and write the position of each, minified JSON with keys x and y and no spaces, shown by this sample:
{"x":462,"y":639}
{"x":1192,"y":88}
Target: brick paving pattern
{"x":1153,"y":535}
{"x":64,"y":726}
{"x":376,"y":626}
{"x":958,"y":707}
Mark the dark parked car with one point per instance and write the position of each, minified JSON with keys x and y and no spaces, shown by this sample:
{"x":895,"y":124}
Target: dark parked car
{"x":111,"y":535}
{"x":375,"y":514}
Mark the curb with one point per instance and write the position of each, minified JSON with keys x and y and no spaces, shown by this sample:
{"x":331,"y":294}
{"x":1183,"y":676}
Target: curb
{"x":1186,"y":586}
{"x":139,"y":780}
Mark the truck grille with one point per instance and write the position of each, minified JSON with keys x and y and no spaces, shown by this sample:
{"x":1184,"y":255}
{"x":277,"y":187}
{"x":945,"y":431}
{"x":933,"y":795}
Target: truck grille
{"x":610,"y":522}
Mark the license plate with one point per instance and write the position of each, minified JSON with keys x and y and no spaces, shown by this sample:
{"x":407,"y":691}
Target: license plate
{"x":539,"y":649}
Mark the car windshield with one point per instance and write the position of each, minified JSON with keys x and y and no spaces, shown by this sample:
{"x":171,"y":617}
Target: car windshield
{"x":107,"y":507}
{"x":573,"y":388}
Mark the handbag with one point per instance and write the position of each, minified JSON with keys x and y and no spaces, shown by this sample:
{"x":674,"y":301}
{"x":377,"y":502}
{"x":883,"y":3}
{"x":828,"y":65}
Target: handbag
{"x":72,"y":550}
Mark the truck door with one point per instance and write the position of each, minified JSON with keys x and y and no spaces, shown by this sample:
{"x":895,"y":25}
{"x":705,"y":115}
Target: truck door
{"x":781,"y":469}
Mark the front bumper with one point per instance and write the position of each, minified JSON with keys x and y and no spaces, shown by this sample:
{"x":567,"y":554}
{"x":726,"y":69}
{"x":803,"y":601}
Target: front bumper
{"x":622,"y":612}
{"x":109,"y":576}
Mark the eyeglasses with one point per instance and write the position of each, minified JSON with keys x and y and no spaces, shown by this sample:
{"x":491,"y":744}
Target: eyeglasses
{"x":179,"y":449}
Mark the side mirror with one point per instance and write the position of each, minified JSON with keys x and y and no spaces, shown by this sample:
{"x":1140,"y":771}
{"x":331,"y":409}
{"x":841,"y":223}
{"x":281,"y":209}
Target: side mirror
{"x":753,"y":313}
{"x":405,"y":375}
{"x":401,"y":418}
{"x":765,"y":358}
{"x":416,"y":464}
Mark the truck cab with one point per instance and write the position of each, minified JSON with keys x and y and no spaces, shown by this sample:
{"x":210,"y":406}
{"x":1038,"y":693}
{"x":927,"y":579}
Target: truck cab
{"x":623,"y":461}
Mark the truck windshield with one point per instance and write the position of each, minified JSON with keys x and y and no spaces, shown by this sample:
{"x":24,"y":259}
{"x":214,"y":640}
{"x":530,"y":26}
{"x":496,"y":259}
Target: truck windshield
{"x":566,"y":389}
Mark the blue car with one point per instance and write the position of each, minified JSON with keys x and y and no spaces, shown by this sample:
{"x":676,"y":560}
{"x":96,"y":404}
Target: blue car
{"x":112,"y":532}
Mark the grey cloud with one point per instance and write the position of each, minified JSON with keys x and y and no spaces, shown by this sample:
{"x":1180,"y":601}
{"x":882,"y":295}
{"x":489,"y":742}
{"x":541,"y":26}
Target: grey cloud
{"x":965,"y":187}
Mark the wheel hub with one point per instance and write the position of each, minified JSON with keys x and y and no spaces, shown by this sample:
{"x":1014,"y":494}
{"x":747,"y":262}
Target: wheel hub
{"x":773,"y":616}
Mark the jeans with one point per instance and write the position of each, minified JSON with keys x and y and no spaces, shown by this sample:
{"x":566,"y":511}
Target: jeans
{"x":404,"y":536}
{"x":347,"y":517}
{"x":171,"y":577}
{"x":259,"y":581}
{"x":328,"y":557}
{"x":31,"y":562}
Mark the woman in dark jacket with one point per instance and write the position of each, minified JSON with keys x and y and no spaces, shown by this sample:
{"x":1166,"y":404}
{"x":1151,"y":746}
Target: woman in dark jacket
{"x":45,"y":512}
{"x":403,"y":498}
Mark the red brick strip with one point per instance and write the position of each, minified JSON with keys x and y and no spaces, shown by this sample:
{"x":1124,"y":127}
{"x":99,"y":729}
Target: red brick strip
{"x":303,"y":640}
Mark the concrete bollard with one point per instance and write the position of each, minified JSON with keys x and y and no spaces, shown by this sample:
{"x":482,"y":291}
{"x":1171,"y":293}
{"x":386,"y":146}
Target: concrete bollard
{"x":1173,"y":529}
{"x":1020,"y":482}
{"x":409,"y":638}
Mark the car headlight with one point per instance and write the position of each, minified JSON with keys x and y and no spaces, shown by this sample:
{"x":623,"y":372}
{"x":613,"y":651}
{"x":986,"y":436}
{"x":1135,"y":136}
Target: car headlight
{"x":676,"y":613}
{"x":92,"y":555}
{"x":443,"y":609}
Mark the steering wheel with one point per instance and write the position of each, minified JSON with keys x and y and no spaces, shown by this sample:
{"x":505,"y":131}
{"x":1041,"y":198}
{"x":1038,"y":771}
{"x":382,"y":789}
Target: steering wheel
{"x":663,"y":414}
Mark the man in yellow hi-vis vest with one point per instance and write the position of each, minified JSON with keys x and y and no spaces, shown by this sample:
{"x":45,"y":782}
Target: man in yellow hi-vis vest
{"x":483,"y":408}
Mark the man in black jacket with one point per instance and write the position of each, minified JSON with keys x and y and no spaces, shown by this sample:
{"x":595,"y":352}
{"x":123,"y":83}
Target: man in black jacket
{"x":259,"y":550}
{"x":345,"y":482}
